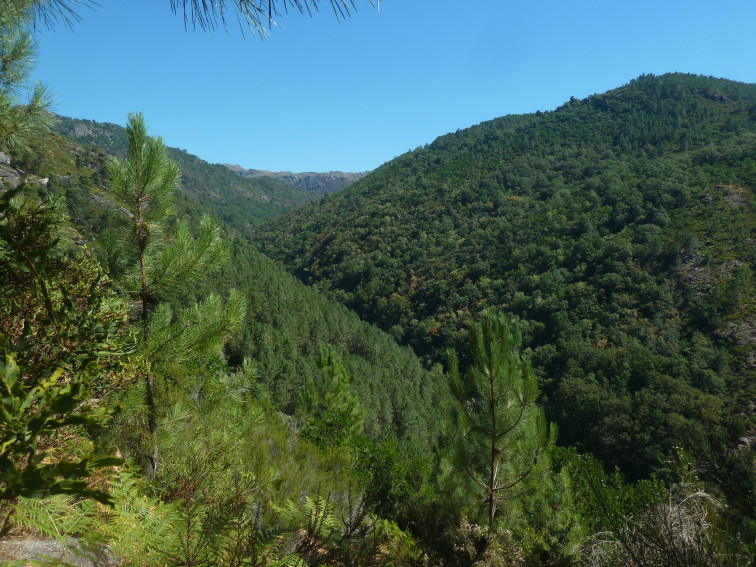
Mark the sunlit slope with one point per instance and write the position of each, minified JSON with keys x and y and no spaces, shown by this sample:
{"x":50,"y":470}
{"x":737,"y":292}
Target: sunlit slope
{"x":618,"y":228}
{"x":239,"y":202}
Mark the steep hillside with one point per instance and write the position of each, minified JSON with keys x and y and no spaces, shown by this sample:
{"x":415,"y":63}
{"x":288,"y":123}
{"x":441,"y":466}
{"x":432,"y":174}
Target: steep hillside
{"x":320,"y":183}
{"x":618,"y":228}
{"x":287,"y":323}
{"x":309,"y":406}
{"x":237,"y":201}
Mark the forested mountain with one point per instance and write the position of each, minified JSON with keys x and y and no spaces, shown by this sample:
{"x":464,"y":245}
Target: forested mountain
{"x":237,"y":201}
{"x":320,"y":183}
{"x":266,"y":397}
{"x":172,"y":396}
{"x":619,"y":230}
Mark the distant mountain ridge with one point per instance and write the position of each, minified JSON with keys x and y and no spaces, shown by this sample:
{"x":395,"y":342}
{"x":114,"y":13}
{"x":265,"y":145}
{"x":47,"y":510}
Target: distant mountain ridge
{"x":239,"y":201}
{"x":320,"y":183}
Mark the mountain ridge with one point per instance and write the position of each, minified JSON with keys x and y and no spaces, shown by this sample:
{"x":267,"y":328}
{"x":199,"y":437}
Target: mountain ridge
{"x":592,"y":224}
{"x":319,"y":182}
{"x":240,"y":202}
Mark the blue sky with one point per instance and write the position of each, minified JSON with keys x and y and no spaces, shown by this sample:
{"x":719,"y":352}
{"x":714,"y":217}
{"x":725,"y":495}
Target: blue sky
{"x":319,"y":95}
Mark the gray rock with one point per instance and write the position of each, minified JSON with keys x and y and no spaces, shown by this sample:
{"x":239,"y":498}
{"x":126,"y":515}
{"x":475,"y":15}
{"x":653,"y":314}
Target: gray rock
{"x":81,"y":130}
{"x":69,"y":552}
{"x":4,"y":159}
{"x":9,"y":177}
{"x":43,"y":182}
{"x":102,"y":201}
{"x":126,"y":212}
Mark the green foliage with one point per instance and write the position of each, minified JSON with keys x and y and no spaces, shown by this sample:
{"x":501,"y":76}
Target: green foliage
{"x":648,"y":524}
{"x":239,"y":202}
{"x":136,"y":529}
{"x":499,"y":432}
{"x":61,"y":326}
{"x":144,"y":184}
{"x":204,"y":189}
{"x":546,"y":520}
{"x":185,"y":258}
{"x":357,"y":538}
{"x":612,"y":228}
{"x":34,"y":410}
{"x":138,"y":526}
{"x":194,"y":334}
{"x":592,"y":226}
{"x":20,"y":124}
{"x":333,"y":413}
{"x":288,"y":323}
{"x":606,"y":500}
{"x":229,"y":461}
{"x":218,"y":512}
{"x":54,"y":517}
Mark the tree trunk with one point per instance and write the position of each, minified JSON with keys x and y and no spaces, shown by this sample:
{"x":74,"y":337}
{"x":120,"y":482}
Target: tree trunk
{"x":149,"y":393}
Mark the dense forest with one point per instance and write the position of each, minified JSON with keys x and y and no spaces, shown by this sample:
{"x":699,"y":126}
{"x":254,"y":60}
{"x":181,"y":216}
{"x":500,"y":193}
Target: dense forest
{"x":554,"y":365}
{"x":619,"y":231}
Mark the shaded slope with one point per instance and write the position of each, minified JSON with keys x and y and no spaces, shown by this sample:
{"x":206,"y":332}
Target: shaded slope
{"x":287,"y":322}
{"x":618,"y":228}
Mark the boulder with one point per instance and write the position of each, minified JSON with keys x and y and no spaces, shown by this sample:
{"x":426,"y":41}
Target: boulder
{"x":9,"y":177}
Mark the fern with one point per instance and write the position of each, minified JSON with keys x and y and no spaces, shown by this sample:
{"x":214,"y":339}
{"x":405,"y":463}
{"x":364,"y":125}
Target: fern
{"x":72,"y":523}
{"x":55,"y":517}
{"x":139,"y":528}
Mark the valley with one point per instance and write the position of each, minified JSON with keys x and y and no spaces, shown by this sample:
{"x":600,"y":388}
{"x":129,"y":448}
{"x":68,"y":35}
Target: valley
{"x":526,"y":342}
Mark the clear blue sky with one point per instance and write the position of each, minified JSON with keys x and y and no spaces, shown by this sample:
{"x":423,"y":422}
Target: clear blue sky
{"x":317,"y":95}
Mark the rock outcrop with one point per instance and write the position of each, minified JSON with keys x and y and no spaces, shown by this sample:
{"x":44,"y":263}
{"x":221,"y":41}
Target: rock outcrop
{"x":320,"y":183}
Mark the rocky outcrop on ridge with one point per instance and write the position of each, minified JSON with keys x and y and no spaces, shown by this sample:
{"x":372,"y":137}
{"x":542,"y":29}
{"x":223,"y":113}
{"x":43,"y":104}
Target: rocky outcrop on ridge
{"x":320,"y":183}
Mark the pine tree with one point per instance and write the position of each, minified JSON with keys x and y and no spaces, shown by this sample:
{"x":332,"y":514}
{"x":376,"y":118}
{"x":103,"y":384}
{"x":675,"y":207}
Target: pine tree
{"x":334,"y":413}
{"x":19,"y":122}
{"x":144,"y":184}
{"x":500,"y":431}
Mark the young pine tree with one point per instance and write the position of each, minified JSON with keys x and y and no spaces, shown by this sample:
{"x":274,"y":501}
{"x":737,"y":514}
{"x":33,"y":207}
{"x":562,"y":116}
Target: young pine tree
{"x":333,"y":412}
{"x":499,"y":431}
{"x":144,"y":184}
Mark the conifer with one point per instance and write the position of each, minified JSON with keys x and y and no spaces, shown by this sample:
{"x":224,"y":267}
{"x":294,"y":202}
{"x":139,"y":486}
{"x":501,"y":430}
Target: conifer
{"x":143,"y":184}
{"x":500,"y":430}
{"x":20,"y":122}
